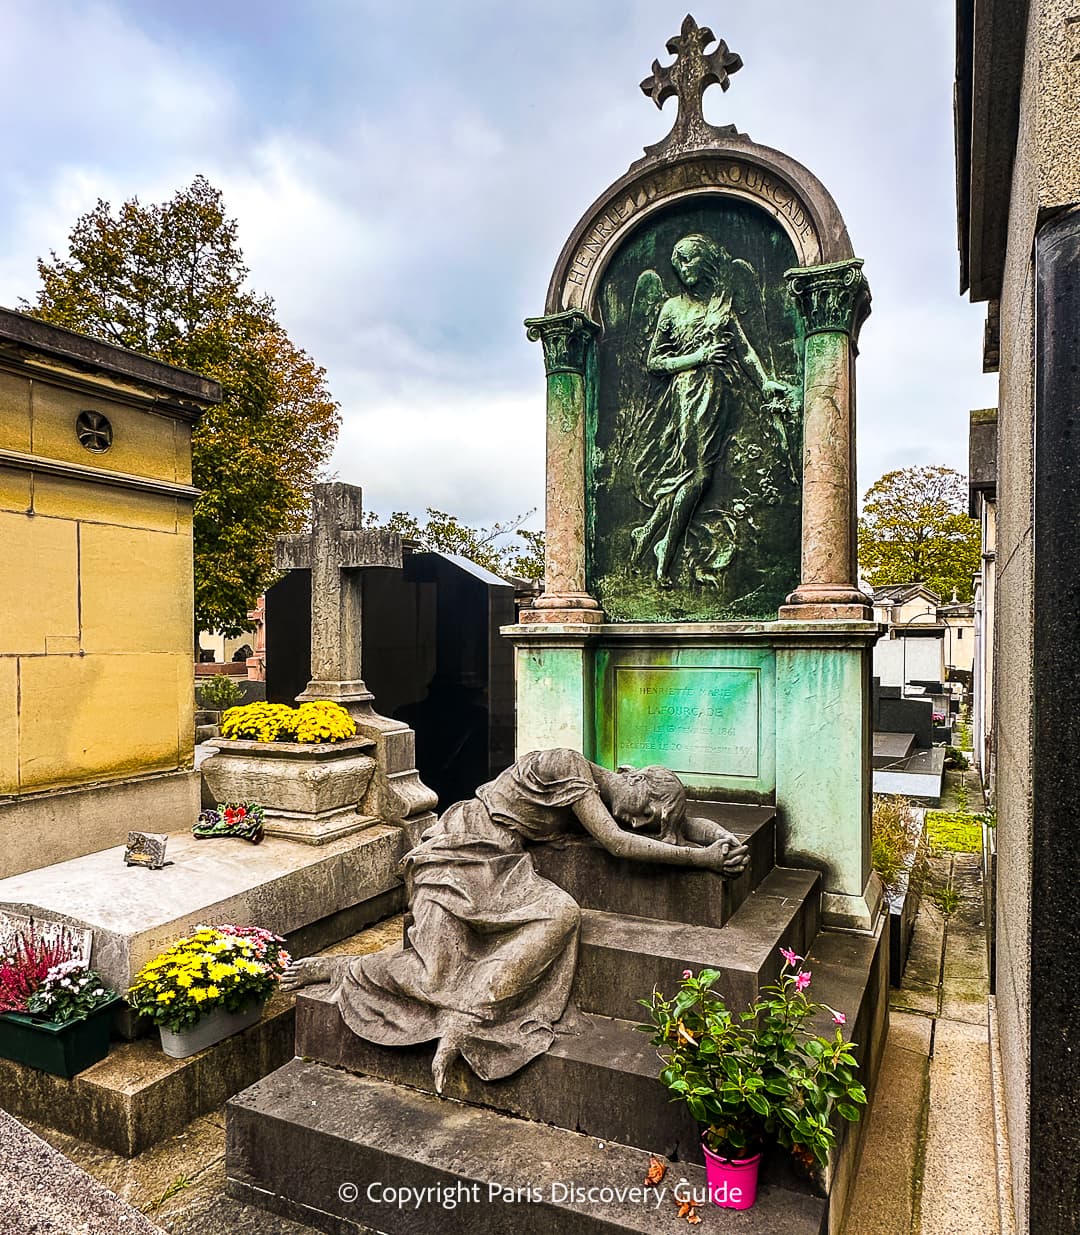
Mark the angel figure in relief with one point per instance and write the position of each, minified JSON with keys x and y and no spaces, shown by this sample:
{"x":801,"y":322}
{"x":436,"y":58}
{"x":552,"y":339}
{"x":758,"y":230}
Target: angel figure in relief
{"x":702,"y":362}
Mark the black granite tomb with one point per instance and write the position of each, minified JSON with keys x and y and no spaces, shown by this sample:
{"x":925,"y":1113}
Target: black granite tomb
{"x":432,"y":656}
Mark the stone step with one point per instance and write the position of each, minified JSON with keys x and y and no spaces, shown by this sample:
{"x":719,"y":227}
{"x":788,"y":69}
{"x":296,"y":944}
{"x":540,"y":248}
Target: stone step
{"x":206,"y":733}
{"x":621,"y":958}
{"x":602,"y":1081}
{"x":596,"y":880}
{"x":324,"y":1147}
{"x":137,"y":1096}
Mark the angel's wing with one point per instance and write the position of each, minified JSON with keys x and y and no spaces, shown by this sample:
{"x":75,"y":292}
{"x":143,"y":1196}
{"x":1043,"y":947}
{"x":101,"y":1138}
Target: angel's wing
{"x":636,"y":394}
{"x":748,"y":301}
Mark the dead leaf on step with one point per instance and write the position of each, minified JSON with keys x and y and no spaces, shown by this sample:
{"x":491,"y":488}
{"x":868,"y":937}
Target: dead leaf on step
{"x":657,"y":1171}
{"x":689,"y":1212}
{"x":693,"y":1217}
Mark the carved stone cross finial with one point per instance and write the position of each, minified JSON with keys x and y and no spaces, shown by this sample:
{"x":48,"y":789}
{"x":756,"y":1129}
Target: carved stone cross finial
{"x":688,"y":78}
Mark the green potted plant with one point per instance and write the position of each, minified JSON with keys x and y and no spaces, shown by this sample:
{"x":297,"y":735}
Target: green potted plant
{"x":305,"y":765}
{"x":209,"y":985}
{"x":55,"y":1011}
{"x":754,"y":1078}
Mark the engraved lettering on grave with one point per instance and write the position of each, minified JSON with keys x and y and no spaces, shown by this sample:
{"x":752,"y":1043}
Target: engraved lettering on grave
{"x":692,"y":720}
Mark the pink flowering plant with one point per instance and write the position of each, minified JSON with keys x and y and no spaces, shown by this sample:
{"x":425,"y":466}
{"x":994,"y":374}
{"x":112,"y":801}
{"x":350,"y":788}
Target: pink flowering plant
{"x":757,"y":1077}
{"x":41,"y":975}
{"x":68,"y":992}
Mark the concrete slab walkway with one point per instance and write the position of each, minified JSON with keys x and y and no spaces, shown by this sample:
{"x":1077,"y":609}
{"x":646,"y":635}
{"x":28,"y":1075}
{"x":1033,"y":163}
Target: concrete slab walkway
{"x":931,"y":1161}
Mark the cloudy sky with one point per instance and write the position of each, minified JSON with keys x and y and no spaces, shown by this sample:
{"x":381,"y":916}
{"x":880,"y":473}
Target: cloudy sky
{"x":405,"y":172}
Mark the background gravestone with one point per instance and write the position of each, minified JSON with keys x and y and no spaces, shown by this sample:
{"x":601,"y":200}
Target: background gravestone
{"x":433,"y":658}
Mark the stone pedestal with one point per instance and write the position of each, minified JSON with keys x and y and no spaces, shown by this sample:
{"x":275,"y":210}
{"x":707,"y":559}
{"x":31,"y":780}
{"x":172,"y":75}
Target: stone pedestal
{"x":765,"y":713}
{"x":310,"y":792}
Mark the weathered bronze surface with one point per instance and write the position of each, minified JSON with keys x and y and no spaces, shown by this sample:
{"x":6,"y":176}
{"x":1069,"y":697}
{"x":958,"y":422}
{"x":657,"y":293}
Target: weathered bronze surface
{"x":695,"y":446}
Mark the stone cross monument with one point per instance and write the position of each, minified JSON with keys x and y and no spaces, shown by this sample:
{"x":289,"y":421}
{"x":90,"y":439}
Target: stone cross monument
{"x":336,"y":551}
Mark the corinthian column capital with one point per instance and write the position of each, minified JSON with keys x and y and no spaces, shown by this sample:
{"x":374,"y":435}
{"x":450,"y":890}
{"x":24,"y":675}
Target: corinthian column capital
{"x":566,"y":338}
{"x":833,"y":298}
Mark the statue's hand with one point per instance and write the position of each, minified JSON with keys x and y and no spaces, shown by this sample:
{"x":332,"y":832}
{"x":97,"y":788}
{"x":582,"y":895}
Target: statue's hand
{"x":738,"y":859}
{"x":725,"y":856}
{"x":775,"y":388}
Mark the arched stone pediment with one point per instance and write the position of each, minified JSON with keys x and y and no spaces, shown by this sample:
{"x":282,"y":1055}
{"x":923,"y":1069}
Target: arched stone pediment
{"x":738,"y":168}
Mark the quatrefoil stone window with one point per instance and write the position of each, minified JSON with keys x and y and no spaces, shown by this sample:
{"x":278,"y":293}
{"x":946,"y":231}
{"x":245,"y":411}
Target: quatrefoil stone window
{"x":94,"y":431}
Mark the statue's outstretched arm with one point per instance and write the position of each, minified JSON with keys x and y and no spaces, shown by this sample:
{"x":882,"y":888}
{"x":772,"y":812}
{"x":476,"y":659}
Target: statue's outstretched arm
{"x":598,"y":821}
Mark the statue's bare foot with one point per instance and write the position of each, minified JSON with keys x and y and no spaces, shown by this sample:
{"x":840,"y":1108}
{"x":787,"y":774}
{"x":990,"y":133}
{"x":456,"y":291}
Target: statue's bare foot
{"x":311,"y":971}
{"x":446,"y":1052}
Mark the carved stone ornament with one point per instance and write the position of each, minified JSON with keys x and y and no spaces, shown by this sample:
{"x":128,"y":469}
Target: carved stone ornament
{"x":835,"y":297}
{"x":566,"y":338}
{"x":693,"y":72}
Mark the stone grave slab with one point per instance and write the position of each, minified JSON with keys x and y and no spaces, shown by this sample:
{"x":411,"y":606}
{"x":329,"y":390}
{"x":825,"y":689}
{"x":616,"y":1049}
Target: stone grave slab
{"x":43,"y":1192}
{"x":313,"y":895}
{"x":889,"y":748}
{"x":920,"y":775}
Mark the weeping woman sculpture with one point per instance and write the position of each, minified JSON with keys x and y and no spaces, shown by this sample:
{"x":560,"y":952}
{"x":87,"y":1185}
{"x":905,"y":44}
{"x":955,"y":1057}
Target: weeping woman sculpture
{"x":489,"y":956}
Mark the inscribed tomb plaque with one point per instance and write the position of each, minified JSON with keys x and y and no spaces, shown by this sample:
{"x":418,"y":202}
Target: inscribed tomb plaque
{"x":691,"y":720}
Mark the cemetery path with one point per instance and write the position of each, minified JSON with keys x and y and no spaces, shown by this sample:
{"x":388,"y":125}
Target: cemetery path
{"x":933,"y":1156}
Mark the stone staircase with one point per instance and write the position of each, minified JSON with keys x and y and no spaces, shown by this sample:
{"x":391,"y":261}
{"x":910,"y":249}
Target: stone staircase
{"x":588,"y":1112}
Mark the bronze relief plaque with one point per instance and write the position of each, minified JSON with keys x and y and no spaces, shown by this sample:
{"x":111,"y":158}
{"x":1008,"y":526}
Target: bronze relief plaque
{"x":694,"y":446}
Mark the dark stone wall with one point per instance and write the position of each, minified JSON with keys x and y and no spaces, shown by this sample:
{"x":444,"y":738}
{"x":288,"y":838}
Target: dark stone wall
{"x":432,"y":657}
{"x":1055,"y":824}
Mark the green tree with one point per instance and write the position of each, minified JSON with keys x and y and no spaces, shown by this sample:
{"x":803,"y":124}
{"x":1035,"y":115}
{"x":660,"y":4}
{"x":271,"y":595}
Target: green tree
{"x":169,"y":280}
{"x":915,"y":528}
{"x":522,"y":558}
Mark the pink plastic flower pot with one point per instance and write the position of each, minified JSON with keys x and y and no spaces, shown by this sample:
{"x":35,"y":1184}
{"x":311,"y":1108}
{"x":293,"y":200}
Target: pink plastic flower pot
{"x":732,"y":1181}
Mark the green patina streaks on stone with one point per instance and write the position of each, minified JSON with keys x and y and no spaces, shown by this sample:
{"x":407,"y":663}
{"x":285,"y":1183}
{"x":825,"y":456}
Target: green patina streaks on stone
{"x":690,"y":720}
{"x":821,"y":711}
{"x":565,"y":399}
{"x":705,"y":712}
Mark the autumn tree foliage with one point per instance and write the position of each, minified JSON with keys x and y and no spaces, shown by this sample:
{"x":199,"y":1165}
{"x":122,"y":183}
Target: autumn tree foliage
{"x":169,"y":281}
{"x":506,"y":549}
{"x":915,"y":528}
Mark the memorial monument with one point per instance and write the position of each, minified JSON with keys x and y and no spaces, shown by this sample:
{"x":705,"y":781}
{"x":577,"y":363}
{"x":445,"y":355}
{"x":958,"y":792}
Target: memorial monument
{"x":701,"y":621}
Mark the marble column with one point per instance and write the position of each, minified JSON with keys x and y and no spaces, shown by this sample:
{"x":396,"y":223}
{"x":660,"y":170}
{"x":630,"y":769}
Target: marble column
{"x":568,"y":340}
{"x":834,"y":301}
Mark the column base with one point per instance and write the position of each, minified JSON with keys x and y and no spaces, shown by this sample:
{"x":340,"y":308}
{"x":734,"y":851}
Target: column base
{"x":843,"y":911}
{"x":827,"y":600}
{"x":345,"y":693}
{"x":563,"y":608}
{"x":812,"y":611}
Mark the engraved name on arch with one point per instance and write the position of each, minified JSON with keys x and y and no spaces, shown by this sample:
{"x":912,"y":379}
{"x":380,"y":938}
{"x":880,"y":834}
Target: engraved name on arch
{"x":739,"y":177}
